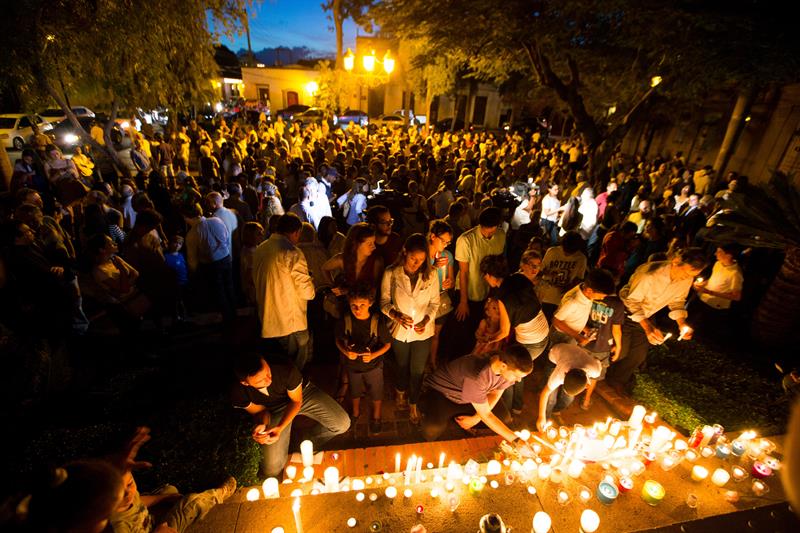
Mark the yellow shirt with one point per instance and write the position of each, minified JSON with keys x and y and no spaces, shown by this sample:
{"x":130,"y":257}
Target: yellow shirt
{"x":97,"y":134}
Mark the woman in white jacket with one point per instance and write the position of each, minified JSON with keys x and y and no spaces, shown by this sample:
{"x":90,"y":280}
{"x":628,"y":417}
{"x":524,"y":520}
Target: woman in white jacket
{"x":410,"y":298}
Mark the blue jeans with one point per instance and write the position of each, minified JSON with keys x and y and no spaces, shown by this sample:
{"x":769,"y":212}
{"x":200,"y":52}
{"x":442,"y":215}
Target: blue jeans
{"x":299,"y":347}
{"x":331,"y":420}
{"x":411,"y":358}
{"x":512,"y":396}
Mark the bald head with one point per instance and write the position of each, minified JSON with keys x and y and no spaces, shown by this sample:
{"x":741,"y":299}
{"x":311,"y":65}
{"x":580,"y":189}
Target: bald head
{"x":214,"y":200}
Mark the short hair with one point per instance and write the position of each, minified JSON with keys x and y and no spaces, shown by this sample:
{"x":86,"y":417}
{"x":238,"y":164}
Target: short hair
{"x":491,"y":217}
{"x":375,"y":211}
{"x":692,"y":256}
{"x":517,"y":357}
{"x":288,"y":223}
{"x":361,"y":290}
{"x":456,"y":209}
{"x":530,"y":255}
{"x":731,"y":248}
{"x":247,"y":364}
{"x":494,"y":265}
{"x":630,"y":227}
{"x":600,"y":280}
{"x":440,"y":227}
{"x":572,"y":242}
{"x":575,"y":381}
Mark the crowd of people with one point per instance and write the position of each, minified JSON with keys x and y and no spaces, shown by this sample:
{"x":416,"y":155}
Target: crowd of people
{"x":449,"y":265}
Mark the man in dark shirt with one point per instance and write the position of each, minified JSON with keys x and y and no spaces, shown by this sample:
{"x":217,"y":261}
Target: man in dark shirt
{"x":274,"y":393}
{"x":387,"y":243}
{"x":468,"y":389}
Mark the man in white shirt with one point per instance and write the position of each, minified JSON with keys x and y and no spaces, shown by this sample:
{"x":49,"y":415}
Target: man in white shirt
{"x":569,"y":320}
{"x":574,"y":367}
{"x":283,"y":289}
{"x":215,"y":201}
{"x":652,"y":287}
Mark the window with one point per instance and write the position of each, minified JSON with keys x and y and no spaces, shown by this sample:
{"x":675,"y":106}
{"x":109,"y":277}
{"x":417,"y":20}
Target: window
{"x":291,"y":98}
{"x":24,"y":123}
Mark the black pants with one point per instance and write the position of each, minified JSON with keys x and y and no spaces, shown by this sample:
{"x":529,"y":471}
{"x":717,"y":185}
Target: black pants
{"x":634,"y":353}
{"x":219,"y":276}
{"x":438,"y":412}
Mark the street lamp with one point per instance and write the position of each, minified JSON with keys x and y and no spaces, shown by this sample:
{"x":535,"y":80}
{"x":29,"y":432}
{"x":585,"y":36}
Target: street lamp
{"x":349,"y":60}
{"x":369,"y":62}
{"x":388,"y":62}
{"x":312,"y":88}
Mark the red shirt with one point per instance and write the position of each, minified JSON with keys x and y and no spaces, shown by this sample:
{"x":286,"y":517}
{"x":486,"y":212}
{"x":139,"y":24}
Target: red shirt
{"x":614,"y":253}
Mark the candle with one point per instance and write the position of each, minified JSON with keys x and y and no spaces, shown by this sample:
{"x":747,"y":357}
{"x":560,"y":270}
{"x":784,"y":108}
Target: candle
{"x":308,"y":473}
{"x":475,"y":486}
{"x":731,"y":496}
{"x":407,"y":493}
{"x":680,"y":445}
{"x":723,"y":451}
{"x":607,"y":492}
{"x":590,"y":521}
{"x":761,"y":470}
{"x":557,"y":475}
{"x":707,"y":432}
{"x":252,"y":495}
{"x":637,"y":467}
{"x":691,"y":456}
{"x":737,"y":448}
{"x":720,"y":477}
{"x":351,"y":522}
{"x":493,"y":468}
{"x":358,"y":484}
{"x":575,"y":469}
{"x":397,"y":462}
{"x":637,"y":415}
{"x":331,"y":478}
{"x":449,"y":487}
{"x":634,"y":433}
{"x":661,"y":435}
{"x":524,"y":435}
{"x":544,"y":471}
{"x":360,"y":496}
{"x":307,"y":453}
{"x":614,"y":428}
{"x":651,"y":418}
{"x":648,"y":457}
{"x":584,"y":494}
{"x":739,"y":473}
{"x":373,"y":497}
{"x":691,"y":501}
{"x":552,"y":433}
{"x":759,"y":487}
{"x":298,"y":525}
{"x":291,"y":471}
{"x":667,"y":462}
{"x":270,"y":487}
{"x":707,"y":451}
{"x":541,"y":522}
{"x":653,"y":492}
{"x":419,"y":469}
{"x":441,"y":460}
{"x":563,"y":497}
{"x":296,"y":492}
{"x":625,"y":484}
{"x":699,"y":473}
{"x":494,"y":484}
{"x":452,"y":502}
{"x":772,"y":462}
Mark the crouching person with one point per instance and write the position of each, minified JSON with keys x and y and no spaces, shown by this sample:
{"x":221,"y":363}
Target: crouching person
{"x":274,"y":394}
{"x":574,"y":367}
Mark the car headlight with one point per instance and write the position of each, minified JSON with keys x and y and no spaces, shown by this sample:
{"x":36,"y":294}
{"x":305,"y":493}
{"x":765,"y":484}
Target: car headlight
{"x":71,"y":138}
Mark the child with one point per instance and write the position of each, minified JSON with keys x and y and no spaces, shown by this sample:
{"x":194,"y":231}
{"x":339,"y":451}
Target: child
{"x":252,"y":236}
{"x":605,"y":318}
{"x":362,"y":337}
{"x":488,"y":328}
{"x":175,"y":261}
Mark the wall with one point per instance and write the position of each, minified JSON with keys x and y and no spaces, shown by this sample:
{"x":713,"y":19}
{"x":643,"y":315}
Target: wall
{"x":279,"y":81}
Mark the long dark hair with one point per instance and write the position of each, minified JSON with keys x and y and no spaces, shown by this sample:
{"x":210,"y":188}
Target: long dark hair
{"x":416,"y":243}
{"x":357,"y":234}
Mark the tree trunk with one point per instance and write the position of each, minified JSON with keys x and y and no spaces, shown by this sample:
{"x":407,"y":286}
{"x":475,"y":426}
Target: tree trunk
{"x":6,"y":168}
{"x":338,"y":22}
{"x":110,"y":149}
{"x":776,"y":317}
{"x":741,"y":109}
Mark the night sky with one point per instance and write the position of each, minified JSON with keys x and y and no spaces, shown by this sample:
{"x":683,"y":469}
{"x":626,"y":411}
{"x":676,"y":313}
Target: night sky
{"x":292,"y":23}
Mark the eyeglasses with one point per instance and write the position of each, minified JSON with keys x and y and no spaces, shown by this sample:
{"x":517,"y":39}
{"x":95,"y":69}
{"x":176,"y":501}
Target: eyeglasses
{"x":446,"y":243}
{"x":386,"y":222}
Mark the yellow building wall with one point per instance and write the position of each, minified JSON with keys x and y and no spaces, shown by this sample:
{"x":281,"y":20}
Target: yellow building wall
{"x":280,"y":81}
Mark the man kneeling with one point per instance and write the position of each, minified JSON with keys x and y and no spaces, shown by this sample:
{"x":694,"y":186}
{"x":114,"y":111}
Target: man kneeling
{"x":467,"y":390}
{"x":274,"y":394}
{"x":572,"y":368}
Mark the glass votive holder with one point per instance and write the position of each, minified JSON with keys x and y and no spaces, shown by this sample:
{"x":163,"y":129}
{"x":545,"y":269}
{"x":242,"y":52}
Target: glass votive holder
{"x":584,"y":494}
{"x":557,"y":475}
{"x":767,"y":446}
{"x":760,"y":470}
{"x":707,"y":451}
{"x":670,"y":460}
{"x":691,"y":501}
{"x":772,"y":462}
{"x":738,"y":448}
{"x":690,"y":455}
{"x":738,"y":473}
{"x":723,"y":451}
{"x":563,"y":497}
{"x":731,"y":496}
{"x":637,"y":467}
{"x":759,"y":487}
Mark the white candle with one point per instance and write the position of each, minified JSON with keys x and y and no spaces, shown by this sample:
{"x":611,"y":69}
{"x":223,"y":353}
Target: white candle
{"x":390,"y":492}
{"x":614,"y":428}
{"x":541,"y":522}
{"x":397,"y":462}
{"x":661,"y":436}
{"x":291,"y":472}
{"x":544,"y":471}
{"x":307,"y":452}
{"x":575,"y":469}
{"x":441,"y":460}
{"x":699,"y":473}
{"x":270,"y":487}
{"x":637,"y":415}
{"x":331,"y":477}
{"x":493,"y":468}
{"x":252,"y":495}
{"x":708,"y":432}
{"x":720,"y":477}
{"x":590,"y":521}
{"x":308,"y":473}
{"x":298,"y":524}
{"x":419,"y":469}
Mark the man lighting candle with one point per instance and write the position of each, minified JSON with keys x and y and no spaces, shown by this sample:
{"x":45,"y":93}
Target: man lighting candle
{"x":468,"y":390}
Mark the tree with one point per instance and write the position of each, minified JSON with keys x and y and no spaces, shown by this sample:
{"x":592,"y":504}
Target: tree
{"x":342,"y":10}
{"x":593,"y":54}
{"x":768,"y":216}
{"x":138,"y":53}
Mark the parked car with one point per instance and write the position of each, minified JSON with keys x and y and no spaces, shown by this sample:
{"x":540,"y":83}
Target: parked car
{"x":445,"y":124}
{"x":16,"y":129}
{"x":351,"y":115}
{"x":55,"y":114}
{"x":67,"y":136}
{"x":288,"y":113}
{"x":312,"y":115}
{"x":416,"y":120}
{"x":389,"y":121}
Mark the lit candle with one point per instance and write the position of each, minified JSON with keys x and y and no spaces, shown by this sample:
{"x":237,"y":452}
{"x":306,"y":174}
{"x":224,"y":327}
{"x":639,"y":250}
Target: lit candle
{"x":772,"y":462}
{"x":590,"y":521}
{"x":731,"y":496}
{"x":667,"y":462}
{"x":252,"y":495}
{"x":441,"y":460}
{"x":575,"y":469}
{"x":475,"y":486}
{"x":607,"y":492}
{"x":584,"y":495}
{"x":524,"y":435}
{"x":360,"y":496}
{"x":397,"y":462}
{"x":739,"y":473}
{"x":680,"y":445}
{"x":407,"y":493}
{"x":358,"y":484}
{"x":637,"y":467}
{"x":270,"y":487}
{"x":699,"y":473}
{"x":691,"y":456}
{"x":738,"y":448}
{"x":331,"y":478}
{"x":296,"y":492}
{"x":494,"y":484}
{"x":563,"y":497}
{"x":708,"y":432}
{"x":307,"y":453}
{"x":625,"y":484}
{"x":351,"y":522}
{"x":291,"y":472}
{"x":614,"y":428}
{"x":653,"y":492}
{"x":723,"y":451}
{"x":419,"y":469}
{"x":493,"y":468}
{"x":637,"y":416}
{"x":720,"y":477}
{"x":557,"y":475}
{"x":541,"y":522}
{"x":298,"y":524}
{"x":707,"y":451}
{"x":308,"y":473}
{"x":661,"y":435}
{"x":544,"y":471}
{"x":759,"y":487}
{"x":552,"y":433}
{"x":651,"y":418}
{"x":648,"y":457}
{"x":761,"y":470}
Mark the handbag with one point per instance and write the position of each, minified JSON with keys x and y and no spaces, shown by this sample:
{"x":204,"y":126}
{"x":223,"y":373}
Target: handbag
{"x":445,"y":304}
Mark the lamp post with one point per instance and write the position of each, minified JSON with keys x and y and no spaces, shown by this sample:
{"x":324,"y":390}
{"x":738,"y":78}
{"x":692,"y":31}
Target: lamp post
{"x":368,"y":71}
